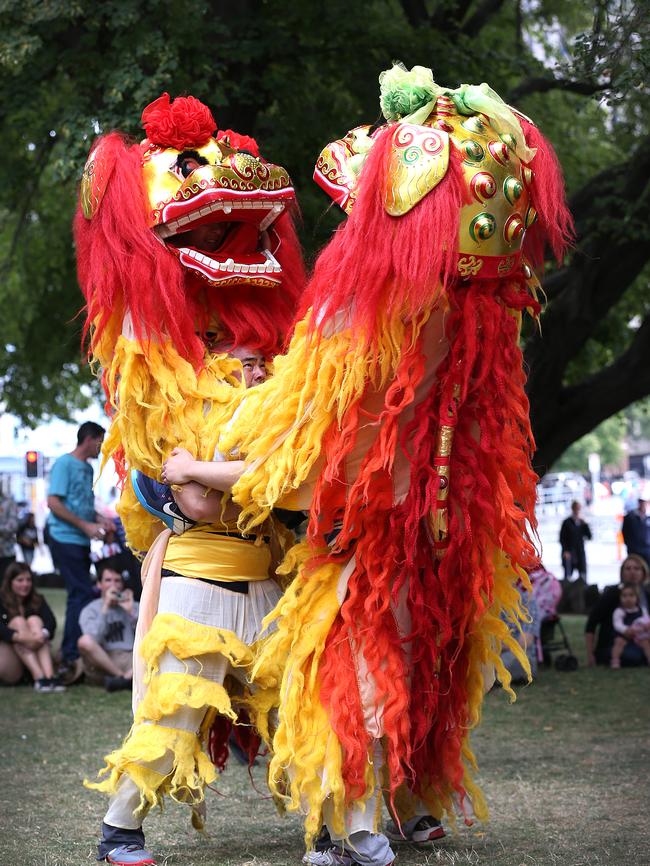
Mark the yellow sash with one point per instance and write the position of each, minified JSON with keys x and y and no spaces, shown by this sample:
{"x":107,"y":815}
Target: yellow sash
{"x":203,"y":552}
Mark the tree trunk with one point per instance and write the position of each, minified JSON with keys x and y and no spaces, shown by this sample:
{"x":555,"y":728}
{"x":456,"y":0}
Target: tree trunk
{"x":611,"y":253}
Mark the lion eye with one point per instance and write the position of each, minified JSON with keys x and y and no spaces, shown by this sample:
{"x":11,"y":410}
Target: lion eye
{"x":188,"y":166}
{"x":187,"y":162}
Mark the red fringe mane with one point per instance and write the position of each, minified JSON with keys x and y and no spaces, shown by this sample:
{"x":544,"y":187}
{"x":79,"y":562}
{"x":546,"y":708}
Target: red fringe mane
{"x":554,"y":225}
{"x":122,"y":265}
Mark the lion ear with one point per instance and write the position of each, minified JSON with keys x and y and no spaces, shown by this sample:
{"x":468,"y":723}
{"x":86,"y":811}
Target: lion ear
{"x":418,"y":161}
{"x":97,"y":172}
{"x":340,"y":163}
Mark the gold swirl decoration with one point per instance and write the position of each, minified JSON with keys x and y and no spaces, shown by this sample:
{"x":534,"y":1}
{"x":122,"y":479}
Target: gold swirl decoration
{"x":417,"y":163}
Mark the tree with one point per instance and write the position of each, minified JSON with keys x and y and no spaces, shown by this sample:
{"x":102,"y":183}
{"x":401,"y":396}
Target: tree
{"x":606,"y":440}
{"x":297,"y":75}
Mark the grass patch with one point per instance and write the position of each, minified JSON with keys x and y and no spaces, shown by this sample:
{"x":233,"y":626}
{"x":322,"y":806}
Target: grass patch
{"x":564,"y":770}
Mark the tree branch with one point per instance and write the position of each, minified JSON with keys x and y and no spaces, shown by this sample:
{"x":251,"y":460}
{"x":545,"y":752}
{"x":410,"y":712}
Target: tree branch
{"x":415,"y":12}
{"x":544,"y":83}
{"x":556,"y":282}
{"x":41,"y":158}
{"x":605,"y":264}
{"x":450,"y":20}
{"x":480,"y":17}
{"x":582,"y":407}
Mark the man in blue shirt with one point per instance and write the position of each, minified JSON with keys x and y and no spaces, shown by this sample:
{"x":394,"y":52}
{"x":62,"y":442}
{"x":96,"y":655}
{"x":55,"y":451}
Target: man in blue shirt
{"x":72,"y":523}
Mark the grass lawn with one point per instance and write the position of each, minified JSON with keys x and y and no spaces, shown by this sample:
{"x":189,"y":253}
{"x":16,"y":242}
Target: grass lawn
{"x":565,"y":771}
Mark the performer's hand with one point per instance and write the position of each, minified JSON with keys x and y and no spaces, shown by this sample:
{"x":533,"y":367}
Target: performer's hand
{"x":177,"y":468}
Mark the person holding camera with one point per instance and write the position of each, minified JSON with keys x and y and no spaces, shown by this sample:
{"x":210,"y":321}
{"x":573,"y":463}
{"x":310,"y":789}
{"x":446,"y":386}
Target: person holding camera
{"x":108,"y":632}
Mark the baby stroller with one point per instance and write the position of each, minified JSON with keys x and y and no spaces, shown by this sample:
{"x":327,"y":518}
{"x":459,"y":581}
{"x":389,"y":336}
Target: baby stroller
{"x":547,"y":592}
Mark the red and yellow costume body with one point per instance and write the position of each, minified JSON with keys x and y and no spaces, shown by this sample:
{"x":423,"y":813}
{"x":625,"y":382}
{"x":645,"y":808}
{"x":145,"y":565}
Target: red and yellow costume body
{"x":398,"y":416}
{"x":183,"y":240}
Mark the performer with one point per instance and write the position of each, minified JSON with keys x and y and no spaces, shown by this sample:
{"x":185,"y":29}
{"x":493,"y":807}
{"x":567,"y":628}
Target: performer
{"x":168,"y":309}
{"x":398,"y":416}
{"x":183,"y":240}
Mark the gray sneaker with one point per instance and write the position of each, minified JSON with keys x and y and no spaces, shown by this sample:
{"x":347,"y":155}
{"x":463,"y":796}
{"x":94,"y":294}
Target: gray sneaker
{"x":330,"y":857}
{"x":428,"y":829}
{"x":130,"y":855}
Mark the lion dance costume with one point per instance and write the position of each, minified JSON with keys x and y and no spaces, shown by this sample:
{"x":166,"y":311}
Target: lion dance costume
{"x":183,"y":240}
{"x":398,"y":416}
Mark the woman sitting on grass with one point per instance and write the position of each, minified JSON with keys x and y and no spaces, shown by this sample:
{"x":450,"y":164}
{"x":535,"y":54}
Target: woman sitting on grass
{"x":599,"y":630}
{"x":27,"y":626}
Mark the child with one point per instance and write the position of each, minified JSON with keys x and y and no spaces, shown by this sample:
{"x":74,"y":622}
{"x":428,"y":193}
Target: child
{"x":630,"y":624}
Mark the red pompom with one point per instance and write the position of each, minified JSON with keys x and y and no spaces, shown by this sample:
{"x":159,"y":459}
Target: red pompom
{"x":184,"y":123}
{"x":239,"y":142}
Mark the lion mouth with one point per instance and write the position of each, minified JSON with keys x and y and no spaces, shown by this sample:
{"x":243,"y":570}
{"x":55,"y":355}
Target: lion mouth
{"x":262,"y":213}
{"x":220,"y":220}
{"x":227,"y":242}
{"x":263,"y":263}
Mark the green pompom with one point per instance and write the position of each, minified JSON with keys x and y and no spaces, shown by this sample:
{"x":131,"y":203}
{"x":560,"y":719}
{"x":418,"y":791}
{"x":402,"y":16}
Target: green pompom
{"x":402,"y":91}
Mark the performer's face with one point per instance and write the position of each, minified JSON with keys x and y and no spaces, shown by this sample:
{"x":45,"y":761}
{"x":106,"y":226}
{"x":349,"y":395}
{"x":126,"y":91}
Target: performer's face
{"x":253,"y":363}
{"x":207,"y":237}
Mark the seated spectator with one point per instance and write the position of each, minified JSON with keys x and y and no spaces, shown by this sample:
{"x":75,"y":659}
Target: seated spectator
{"x":8,"y":527}
{"x":599,"y":630}
{"x":108,"y":631}
{"x":27,"y":537}
{"x":527,"y":637}
{"x":631,"y":625}
{"x":27,"y":626}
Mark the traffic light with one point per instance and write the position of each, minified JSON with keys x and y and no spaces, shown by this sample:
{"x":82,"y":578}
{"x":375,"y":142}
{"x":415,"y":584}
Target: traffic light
{"x":33,"y":464}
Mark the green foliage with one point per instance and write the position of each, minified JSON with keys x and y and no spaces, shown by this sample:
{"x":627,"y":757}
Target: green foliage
{"x":606,"y":441}
{"x":295,"y":75}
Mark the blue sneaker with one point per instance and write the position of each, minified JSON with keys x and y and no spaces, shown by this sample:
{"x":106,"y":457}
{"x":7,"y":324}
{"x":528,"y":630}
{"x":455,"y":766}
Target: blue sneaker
{"x":157,"y":499}
{"x":132,"y":854}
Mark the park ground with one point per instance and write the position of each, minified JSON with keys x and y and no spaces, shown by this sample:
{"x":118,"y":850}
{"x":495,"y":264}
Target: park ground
{"x":564,"y":769}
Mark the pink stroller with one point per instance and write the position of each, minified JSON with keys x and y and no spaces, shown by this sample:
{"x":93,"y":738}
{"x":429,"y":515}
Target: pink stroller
{"x":547,"y":592}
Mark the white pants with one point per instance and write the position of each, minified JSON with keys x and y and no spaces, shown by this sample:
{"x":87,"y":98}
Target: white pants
{"x":198,"y":602}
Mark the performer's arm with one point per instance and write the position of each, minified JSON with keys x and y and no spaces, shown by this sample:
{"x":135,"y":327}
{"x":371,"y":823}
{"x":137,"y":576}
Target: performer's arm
{"x":193,"y":501}
{"x":181,"y":467}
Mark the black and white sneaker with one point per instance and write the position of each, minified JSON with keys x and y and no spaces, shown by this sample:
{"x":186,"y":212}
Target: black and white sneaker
{"x":428,"y":829}
{"x":157,"y":499}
